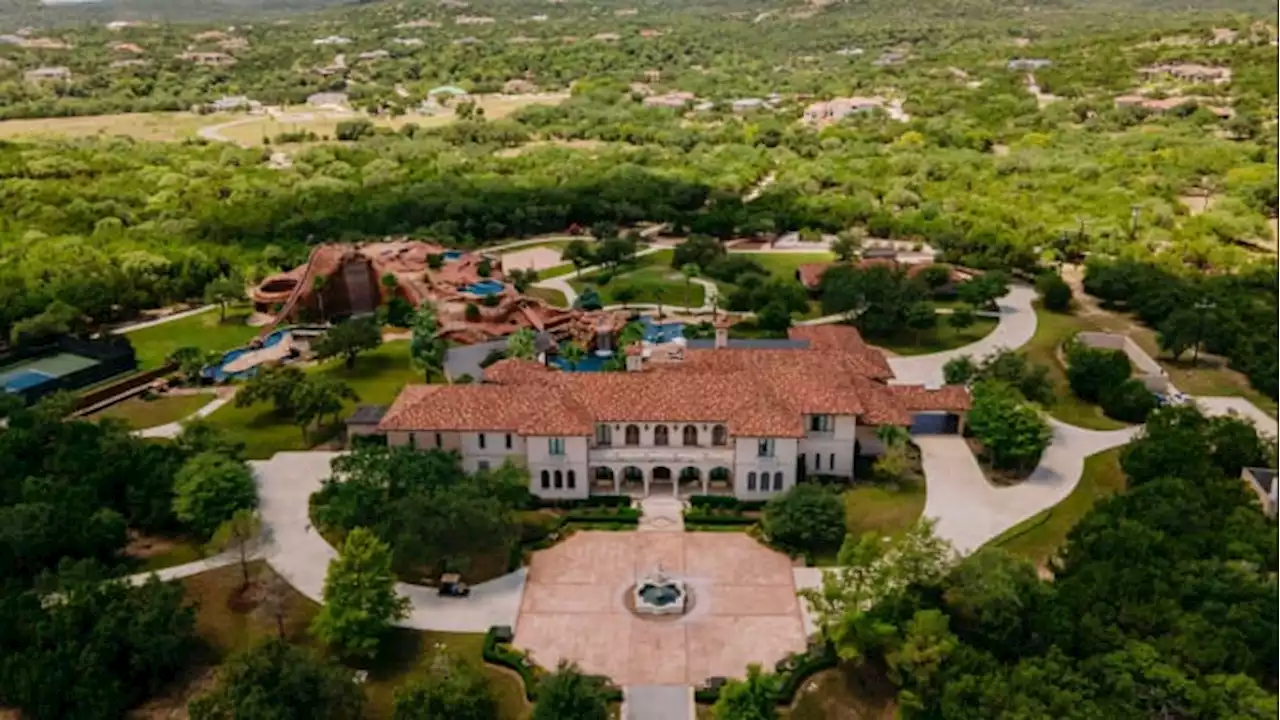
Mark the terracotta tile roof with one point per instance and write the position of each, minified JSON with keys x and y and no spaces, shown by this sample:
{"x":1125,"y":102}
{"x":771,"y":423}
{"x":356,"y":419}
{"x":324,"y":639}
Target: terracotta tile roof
{"x":867,"y":361}
{"x":512,"y":370}
{"x":523,"y":409}
{"x":915,"y":398}
{"x":810,"y":274}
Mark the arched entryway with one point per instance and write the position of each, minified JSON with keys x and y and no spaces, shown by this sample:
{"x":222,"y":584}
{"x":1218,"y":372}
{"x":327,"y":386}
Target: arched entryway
{"x":604,"y":480}
{"x":661,"y":481}
{"x":632,"y":480}
{"x":720,"y":481}
{"x":690,"y":481}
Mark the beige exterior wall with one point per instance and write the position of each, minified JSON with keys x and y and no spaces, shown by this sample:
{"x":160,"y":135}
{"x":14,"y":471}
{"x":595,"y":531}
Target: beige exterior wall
{"x":747,"y":460}
{"x":675,"y":434}
{"x":574,"y":459}
{"x":821,"y":448}
{"x":870,"y":444}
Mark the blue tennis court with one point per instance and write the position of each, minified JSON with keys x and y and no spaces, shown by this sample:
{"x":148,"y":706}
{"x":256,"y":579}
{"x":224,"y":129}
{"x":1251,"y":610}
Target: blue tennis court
{"x":24,"y":379}
{"x":32,"y":373}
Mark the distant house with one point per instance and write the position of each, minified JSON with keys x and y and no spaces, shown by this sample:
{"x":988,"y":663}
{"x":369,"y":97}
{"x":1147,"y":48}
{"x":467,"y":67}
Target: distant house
{"x":473,"y":20}
{"x":849,"y":51}
{"x":450,"y":90}
{"x":1263,"y":483}
{"x":373,"y":55}
{"x":42,"y":43}
{"x":606,"y":37}
{"x":1189,"y":72}
{"x":521,"y":40}
{"x":1028,"y":63}
{"x":328,"y":100}
{"x":829,"y":111}
{"x":11,"y":39}
{"x":227,"y":103}
{"x":1166,"y":104}
{"x":625,"y":12}
{"x":519,"y":86}
{"x":46,"y":74}
{"x":332,"y":40}
{"x":673,"y":100}
{"x":117,"y":25}
{"x":419,"y":24}
{"x":743,"y":105}
{"x":889,"y":58}
{"x":649,"y":33}
{"x":408,"y":42}
{"x":467,"y":41}
{"x":212,"y":59}
{"x":538,"y":18}
{"x":128,"y":47}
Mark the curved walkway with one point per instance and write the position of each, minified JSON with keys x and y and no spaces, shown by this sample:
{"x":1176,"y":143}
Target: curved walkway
{"x":1017,"y":326}
{"x":173,"y":429}
{"x":298,"y":553}
{"x":143,"y":325}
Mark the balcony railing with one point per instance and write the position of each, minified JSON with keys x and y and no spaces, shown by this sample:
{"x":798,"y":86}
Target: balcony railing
{"x":672,"y":454}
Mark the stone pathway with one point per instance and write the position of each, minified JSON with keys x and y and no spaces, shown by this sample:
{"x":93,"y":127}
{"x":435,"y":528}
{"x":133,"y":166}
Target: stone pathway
{"x":194,"y":567}
{"x":661,"y":513}
{"x":131,"y":327}
{"x":657,"y":702}
{"x":173,"y":429}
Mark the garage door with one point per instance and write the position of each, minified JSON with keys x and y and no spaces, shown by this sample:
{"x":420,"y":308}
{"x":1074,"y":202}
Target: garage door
{"x":934,"y":423}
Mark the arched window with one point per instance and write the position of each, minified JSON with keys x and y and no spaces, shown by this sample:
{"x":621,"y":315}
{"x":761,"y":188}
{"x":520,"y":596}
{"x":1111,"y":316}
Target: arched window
{"x":559,"y":480}
{"x":751,"y":481}
{"x":660,"y":435}
{"x":832,"y":464}
{"x":546,"y":479}
{"x":633,"y":434}
{"x":690,"y":435}
{"x":573,"y":480}
{"x":719,"y":435}
{"x":777,"y":481}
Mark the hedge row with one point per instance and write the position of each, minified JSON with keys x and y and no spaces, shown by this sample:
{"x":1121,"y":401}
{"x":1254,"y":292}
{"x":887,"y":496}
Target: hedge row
{"x":504,"y":655}
{"x":587,"y":502}
{"x":724,"y":502}
{"x":792,"y":671}
{"x":697,"y":518}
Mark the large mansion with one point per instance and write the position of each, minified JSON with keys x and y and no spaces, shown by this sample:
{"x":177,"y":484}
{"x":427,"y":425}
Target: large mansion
{"x":747,"y":421}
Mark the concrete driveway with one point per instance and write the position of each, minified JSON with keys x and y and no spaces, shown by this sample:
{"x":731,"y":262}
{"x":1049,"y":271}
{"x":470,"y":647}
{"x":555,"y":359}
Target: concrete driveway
{"x":1240,"y":407}
{"x":298,"y":553}
{"x":1017,"y":326}
{"x":971,"y":511}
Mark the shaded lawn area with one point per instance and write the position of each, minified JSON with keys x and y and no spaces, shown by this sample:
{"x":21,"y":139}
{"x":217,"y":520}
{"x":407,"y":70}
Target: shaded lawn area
{"x":228,"y":622}
{"x":881,"y":510}
{"x":1040,"y":537}
{"x":651,"y":284}
{"x":204,"y":331}
{"x":139,"y":412}
{"x":783,"y":265}
{"x":555,"y":297}
{"x":377,"y":378}
{"x":146,"y":553}
{"x":1052,"y":330}
{"x":848,"y":692}
{"x":940,"y":338}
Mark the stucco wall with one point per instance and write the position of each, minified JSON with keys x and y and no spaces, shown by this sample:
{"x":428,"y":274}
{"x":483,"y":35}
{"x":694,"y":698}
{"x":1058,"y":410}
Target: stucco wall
{"x":1146,"y":369}
{"x":747,"y":460}
{"x":539,"y":458}
{"x":819,"y":449}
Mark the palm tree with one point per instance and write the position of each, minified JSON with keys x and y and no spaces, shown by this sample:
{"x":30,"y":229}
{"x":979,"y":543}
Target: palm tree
{"x":689,"y":271}
{"x":573,"y":354}
{"x":632,"y":333}
{"x":318,"y":284}
{"x":522,"y":344}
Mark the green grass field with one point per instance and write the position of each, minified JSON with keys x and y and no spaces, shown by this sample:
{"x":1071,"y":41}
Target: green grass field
{"x":1039,"y":538}
{"x":650,"y":284}
{"x":942,"y":337}
{"x":205,"y":331}
{"x":876,"y":509}
{"x":377,"y":378}
{"x":783,"y":265}
{"x":1052,"y":330}
{"x":140,"y":413}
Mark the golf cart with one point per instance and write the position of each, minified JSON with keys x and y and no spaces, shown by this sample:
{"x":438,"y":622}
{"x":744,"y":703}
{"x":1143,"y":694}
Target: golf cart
{"x":451,"y":585}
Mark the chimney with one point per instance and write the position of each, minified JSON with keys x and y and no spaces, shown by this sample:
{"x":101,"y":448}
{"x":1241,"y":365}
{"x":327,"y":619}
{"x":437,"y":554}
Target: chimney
{"x":635,"y":357}
{"x":722,"y":324}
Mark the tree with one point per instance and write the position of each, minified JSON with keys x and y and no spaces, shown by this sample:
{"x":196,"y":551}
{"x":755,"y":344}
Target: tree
{"x":870,"y":572}
{"x":223,"y":290}
{"x":318,"y":285}
{"x":452,"y":689}
{"x":806,"y":518}
{"x":281,"y":681}
{"x":237,"y":534}
{"x":1055,"y":293}
{"x":567,"y":694}
{"x":521,"y":344}
{"x":632,"y":332}
{"x":579,"y":254}
{"x":755,"y":698}
{"x":962,"y":317}
{"x":589,"y":298}
{"x":959,"y":370}
{"x":689,"y":271}
{"x":774,"y":318}
{"x":1090,"y":371}
{"x":210,"y":488}
{"x":351,"y":130}
{"x":875,"y":298}
{"x":319,"y":396}
{"x":200,"y":435}
{"x":1012,"y":432}
{"x":425,"y":349}
{"x":1015,"y":368}
{"x":360,"y":600}
{"x":992,"y":597}
{"x":58,"y":318}
{"x":700,"y":250}
{"x":349,"y":339}
{"x":921,"y":316}
{"x":983,"y":290}
{"x":277,"y":384}
{"x":916,"y":662}
{"x":1129,"y":401}
{"x":521,"y":279}
{"x":190,"y":361}
{"x":846,"y":246}
{"x":573,"y":353}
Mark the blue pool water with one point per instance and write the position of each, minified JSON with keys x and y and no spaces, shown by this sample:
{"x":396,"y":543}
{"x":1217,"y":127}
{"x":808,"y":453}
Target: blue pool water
{"x":657,"y":333}
{"x":451,"y":255}
{"x":24,"y":379}
{"x":590,"y":363}
{"x":217,"y":374}
{"x":484,"y":287}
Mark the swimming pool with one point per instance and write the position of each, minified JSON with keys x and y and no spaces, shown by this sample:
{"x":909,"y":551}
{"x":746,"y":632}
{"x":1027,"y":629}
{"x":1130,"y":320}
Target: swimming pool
{"x":589,"y":363}
{"x":451,"y":255}
{"x":217,"y":374}
{"x":484,"y":287}
{"x":660,"y":332}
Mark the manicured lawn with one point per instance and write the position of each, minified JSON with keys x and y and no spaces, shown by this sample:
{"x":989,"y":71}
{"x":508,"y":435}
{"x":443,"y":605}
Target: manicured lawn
{"x":204,"y":331}
{"x":1052,"y":330}
{"x":228,"y":622}
{"x":650,"y":284}
{"x":180,"y":552}
{"x":877,"y":509}
{"x":377,"y":378}
{"x":555,"y":297}
{"x":942,"y":337}
{"x":783,"y":265}
{"x":1039,"y":538}
{"x":138,"y":412}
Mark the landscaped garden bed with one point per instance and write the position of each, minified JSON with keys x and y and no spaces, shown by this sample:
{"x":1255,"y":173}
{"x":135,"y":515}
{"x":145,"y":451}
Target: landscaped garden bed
{"x":721,"y":512}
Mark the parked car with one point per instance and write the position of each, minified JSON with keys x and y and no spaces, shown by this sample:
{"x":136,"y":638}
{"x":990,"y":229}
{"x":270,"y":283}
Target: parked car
{"x":451,"y":585}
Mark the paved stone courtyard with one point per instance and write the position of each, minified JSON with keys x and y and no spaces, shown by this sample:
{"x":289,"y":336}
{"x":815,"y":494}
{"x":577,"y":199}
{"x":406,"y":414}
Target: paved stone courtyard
{"x":744,"y":609}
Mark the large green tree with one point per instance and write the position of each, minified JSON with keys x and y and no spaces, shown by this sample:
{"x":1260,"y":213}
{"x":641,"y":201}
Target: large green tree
{"x":360,"y":599}
{"x":349,"y":339}
{"x":753,"y":698}
{"x":567,"y":694}
{"x":210,"y":488}
{"x":452,"y":689}
{"x":806,"y":518}
{"x":278,"y":681}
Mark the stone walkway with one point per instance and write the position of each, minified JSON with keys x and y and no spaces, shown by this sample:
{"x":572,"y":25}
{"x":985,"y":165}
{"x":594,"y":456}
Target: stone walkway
{"x":131,"y":327}
{"x":173,"y":429}
{"x":657,"y":702}
{"x":661,"y":513}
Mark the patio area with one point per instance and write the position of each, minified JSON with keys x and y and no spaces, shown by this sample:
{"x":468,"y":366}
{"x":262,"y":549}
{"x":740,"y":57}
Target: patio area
{"x":744,"y":608}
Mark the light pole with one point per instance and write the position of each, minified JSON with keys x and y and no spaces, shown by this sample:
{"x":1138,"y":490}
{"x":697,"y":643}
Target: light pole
{"x":1201,"y":308}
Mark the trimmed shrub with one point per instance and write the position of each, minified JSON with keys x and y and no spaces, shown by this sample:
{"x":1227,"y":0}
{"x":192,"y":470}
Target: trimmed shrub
{"x":1090,"y":371}
{"x":1130,"y":401}
{"x":1055,"y":293}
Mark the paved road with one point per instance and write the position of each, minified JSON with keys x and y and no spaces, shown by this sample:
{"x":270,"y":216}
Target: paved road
{"x":970,"y":511}
{"x":301,"y":556}
{"x":1016,"y":327}
{"x":1239,"y":406}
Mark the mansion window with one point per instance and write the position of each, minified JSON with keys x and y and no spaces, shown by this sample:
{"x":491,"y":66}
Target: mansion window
{"x":751,"y":481}
{"x":821,"y":423}
{"x":633,"y":434}
{"x":765,"y":447}
{"x":546,"y":480}
{"x":508,"y":441}
{"x":777,"y":481}
{"x":661,"y":435}
{"x":690,"y":435}
{"x":604,"y":435}
{"x":483,"y":465}
{"x":719,"y":435}
{"x":481,"y":441}
{"x":555,"y":446}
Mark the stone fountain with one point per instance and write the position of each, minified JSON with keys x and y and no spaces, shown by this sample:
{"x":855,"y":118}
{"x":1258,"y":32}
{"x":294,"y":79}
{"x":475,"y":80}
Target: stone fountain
{"x":658,"y":594}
